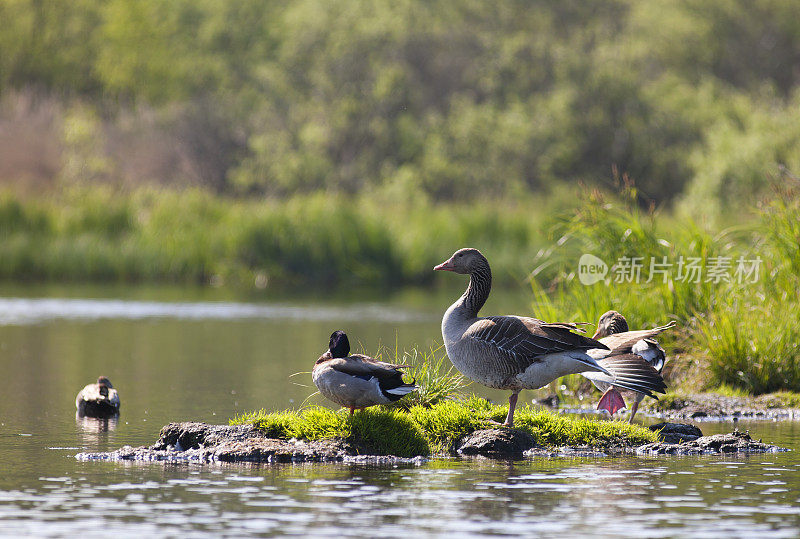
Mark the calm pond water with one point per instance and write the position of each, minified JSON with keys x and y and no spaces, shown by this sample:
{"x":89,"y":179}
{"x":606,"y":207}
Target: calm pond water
{"x":201,"y":355}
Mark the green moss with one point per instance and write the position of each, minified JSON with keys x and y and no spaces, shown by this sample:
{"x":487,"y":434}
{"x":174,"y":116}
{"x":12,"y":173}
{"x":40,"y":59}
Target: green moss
{"x":434,"y":430}
{"x":551,"y":429}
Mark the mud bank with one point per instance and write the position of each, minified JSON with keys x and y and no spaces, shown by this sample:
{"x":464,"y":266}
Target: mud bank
{"x":713,"y":407}
{"x":203,"y":443}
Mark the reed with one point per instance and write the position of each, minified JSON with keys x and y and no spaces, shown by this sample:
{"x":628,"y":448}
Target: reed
{"x":734,"y":332}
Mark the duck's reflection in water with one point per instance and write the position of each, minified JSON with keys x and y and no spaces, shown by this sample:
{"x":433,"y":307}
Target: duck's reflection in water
{"x":95,"y":429}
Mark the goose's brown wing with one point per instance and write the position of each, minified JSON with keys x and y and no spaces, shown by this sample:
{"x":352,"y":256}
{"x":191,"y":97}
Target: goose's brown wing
{"x":523,"y":340}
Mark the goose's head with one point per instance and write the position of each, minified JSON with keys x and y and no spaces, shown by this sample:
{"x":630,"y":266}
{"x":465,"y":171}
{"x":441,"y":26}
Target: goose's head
{"x":339,"y":345}
{"x":103,"y":381}
{"x":465,"y":261}
{"x":610,"y":322}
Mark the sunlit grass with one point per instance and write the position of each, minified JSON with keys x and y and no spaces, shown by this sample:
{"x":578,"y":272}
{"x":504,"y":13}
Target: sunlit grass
{"x":434,"y":430}
{"x":739,"y":333}
{"x":436,"y":378}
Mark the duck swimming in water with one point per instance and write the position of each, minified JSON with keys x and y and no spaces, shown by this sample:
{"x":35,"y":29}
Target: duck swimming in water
{"x":98,"y":400}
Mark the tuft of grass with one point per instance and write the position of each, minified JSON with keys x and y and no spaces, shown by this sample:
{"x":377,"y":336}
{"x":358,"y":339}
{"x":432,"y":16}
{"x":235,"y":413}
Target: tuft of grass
{"x":781,"y":399}
{"x":549,"y":429}
{"x":435,"y":429}
{"x":448,"y":421}
{"x":436,"y":378}
{"x":751,"y":349}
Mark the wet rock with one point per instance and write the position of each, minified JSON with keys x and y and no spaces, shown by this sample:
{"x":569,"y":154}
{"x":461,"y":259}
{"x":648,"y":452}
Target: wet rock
{"x":566,"y":451}
{"x":675,"y":433}
{"x":199,"y":442}
{"x":734,"y":442}
{"x":496,"y":443}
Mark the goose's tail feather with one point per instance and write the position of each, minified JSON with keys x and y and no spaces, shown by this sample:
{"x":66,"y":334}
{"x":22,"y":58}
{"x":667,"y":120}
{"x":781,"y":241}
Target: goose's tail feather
{"x":629,"y":371}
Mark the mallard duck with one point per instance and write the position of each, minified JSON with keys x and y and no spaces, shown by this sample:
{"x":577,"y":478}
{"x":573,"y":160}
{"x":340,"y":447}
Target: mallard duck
{"x":98,"y":400}
{"x":612,"y":330}
{"x":357,"y":381}
{"x":516,"y":352}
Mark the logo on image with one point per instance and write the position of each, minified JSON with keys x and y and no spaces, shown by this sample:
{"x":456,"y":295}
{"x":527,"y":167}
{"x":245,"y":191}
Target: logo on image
{"x":591,"y":269}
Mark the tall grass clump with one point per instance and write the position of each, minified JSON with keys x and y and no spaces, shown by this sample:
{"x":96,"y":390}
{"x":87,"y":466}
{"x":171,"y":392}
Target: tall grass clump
{"x":436,"y":378}
{"x":753,"y":339}
{"x":733,"y":329}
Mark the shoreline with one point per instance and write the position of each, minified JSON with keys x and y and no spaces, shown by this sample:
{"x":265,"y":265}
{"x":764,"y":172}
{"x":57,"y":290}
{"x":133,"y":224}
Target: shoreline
{"x":202,"y":443}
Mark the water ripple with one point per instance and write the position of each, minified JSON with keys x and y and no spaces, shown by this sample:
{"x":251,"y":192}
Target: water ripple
{"x":26,"y":311}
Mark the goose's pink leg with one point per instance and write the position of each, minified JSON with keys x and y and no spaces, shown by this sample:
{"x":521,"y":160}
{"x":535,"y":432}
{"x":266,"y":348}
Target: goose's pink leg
{"x":634,"y":407}
{"x":512,"y":404}
{"x":611,"y":401}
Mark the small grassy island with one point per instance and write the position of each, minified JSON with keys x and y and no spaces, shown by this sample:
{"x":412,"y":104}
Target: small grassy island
{"x":436,"y":429}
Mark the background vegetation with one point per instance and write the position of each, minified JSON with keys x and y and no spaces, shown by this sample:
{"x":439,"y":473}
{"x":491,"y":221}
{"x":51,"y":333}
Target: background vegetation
{"x":444,"y":100}
{"x":254,"y":142}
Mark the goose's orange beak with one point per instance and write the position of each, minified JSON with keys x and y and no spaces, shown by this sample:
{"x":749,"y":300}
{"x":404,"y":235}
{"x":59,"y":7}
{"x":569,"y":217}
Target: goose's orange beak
{"x":597,"y":334}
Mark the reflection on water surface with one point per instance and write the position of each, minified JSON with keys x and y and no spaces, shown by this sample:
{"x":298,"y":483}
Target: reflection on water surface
{"x":225,"y":358}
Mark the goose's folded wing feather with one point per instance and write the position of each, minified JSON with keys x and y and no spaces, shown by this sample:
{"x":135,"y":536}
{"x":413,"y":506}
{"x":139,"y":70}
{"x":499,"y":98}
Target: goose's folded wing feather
{"x":525,"y":339}
{"x":622,"y":342}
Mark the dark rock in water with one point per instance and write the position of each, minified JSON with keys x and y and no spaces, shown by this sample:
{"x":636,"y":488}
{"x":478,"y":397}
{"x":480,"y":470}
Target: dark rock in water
{"x":199,"y":442}
{"x":551,"y":400}
{"x":567,"y":451}
{"x":734,"y":442}
{"x":496,"y":443}
{"x":675,"y":433}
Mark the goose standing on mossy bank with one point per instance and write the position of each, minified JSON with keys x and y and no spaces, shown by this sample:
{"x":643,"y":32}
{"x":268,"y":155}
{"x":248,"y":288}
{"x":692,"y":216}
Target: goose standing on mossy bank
{"x":612,"y":330}
{"x":508,"y":352}
{"x":98,"y":400}
{"x":357,"y":381}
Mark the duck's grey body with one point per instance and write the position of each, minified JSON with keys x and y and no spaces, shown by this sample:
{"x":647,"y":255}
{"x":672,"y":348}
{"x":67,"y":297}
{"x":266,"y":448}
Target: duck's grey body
{"x":357,"y":381}
{"x":98,"y":400}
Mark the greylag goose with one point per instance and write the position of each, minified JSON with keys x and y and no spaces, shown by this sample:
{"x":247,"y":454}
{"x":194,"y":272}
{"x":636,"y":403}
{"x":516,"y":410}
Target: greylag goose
{"x":357,"y":381}
{"x":98,"y":400}
{"x":612,"y":330}
{"x":515,"y":352}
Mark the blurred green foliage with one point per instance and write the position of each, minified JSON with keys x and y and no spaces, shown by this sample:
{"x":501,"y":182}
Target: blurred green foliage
{"x":449,"y":100}
{"x":738,"y":332}
{"x":91,"y":233}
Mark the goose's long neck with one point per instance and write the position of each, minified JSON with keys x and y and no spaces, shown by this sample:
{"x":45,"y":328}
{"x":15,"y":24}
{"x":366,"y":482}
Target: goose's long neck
{"x":480,"y":283}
